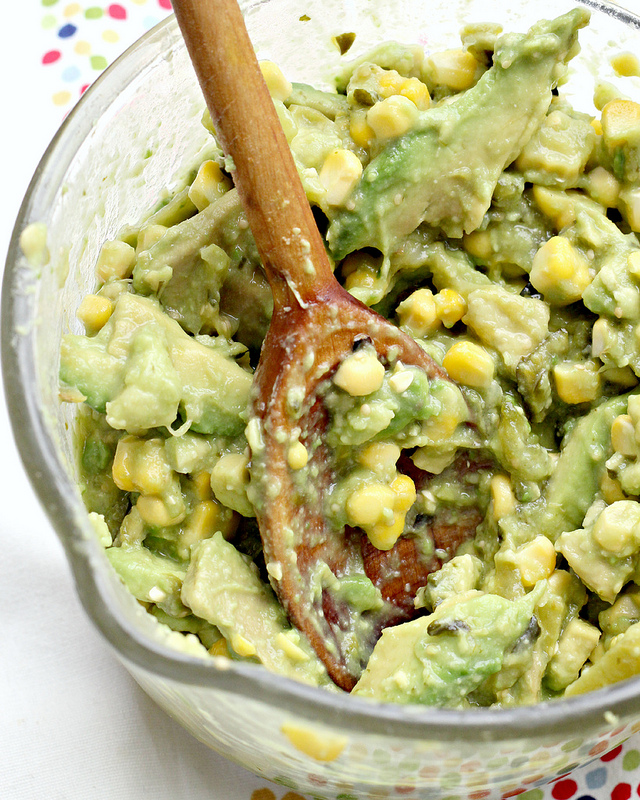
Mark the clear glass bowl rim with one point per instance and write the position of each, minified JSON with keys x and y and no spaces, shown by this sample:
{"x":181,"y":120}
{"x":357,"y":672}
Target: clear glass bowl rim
{"x":60,"y":502}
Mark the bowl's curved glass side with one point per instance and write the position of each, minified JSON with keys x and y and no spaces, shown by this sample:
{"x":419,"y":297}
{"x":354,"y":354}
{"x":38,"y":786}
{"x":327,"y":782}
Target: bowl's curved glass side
{"x":128,"y":141}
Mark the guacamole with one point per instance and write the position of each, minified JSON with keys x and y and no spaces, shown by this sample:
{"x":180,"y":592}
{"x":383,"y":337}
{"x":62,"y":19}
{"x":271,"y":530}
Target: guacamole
{"x":484,"y":518}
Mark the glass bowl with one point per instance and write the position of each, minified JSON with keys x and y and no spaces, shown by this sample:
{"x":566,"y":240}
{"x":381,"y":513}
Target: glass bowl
{"x":133,"y":133}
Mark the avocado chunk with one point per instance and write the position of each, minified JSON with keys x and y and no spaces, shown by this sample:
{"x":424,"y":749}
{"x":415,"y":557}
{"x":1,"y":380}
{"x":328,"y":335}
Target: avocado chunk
{"x":441,"y":658}
{"x":444,"y":170}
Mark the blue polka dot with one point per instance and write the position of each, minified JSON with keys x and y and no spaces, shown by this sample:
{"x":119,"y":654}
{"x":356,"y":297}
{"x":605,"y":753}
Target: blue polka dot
{"x":596,"y":778}
{"x":150,"y":22}
{"x":67,"y":30}
{"x":71,"y":73}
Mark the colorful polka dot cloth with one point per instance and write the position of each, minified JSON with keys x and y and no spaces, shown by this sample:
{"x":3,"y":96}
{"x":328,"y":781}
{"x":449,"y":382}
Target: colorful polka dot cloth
{"x":82,"y":39}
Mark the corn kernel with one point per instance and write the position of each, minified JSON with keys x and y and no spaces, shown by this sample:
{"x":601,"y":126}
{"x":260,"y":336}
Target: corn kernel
{"x":536,"y":560}
{"x":417,"y":92}
{"x":450,"y":307}
{"x":557,"y":205}
{"x":360,"y":373}
{"x":297,"y":456}
{"x":559,"y":271}
{"x":279,"y":87}
{"x":418,"y":314}
{"x":242,"y":646}
{"x":209,"y":184}
{"x":504,"y":501}
{"x":617,"y":529}
{"x":202,"y":485}
{"x":116,"y":261}
{"x":154,"y":511}
{"x":290,"y":648}
{"x":320,"y":746}
{"x":457,"y":69}
{"x":203,"y":520}
{"x":478,"y":244}
{"x":380,"y":457}
{"x":626,"y":65}
{"x":149,"y":235}
{"x":610,"y":489}
{"x":597,"y":126}
{"x":220,"y":648}
{"x":429,"y":461}
{"x":603,"y":187}
{"x":577,"y":383}
{"x":469,"y":364}
{"x":93,"y":312}
{"x":383,"y":535}
{"x":390,"y":82}
{"x":392,"y":117}
{"x":621,"y":122}
{"x":360,"y":130}
{"x":623,"y":439}
{"x":339,"y":175}
{"x":368,"y":504}
{"x":229,"y":481}
{"x":405,"y":492}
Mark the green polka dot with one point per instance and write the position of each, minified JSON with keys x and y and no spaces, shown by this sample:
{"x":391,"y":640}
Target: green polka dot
{"x":532,"y":794}
{"x":98,"y":62}
{"x":48,"y":22}
{"x":49,"y":2}
{"x":574,"y":744}
{"x":93,"y":12}
{"x":631,"y":760}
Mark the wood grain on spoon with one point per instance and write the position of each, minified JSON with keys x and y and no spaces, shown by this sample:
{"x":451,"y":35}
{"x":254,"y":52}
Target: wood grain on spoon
{"x":314,"y":326}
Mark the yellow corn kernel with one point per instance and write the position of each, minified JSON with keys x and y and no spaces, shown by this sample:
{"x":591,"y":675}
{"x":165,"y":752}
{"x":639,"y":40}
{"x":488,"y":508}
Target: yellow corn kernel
{"x":621,"y":122}
{"x":623,"y":439}
{"x":405,"y":491}
{"x":417,"y":92}
{"x":383,"y":535}
{"x":220,"y":648}
{"x":536,"y":560}
{"x":450,"y":307}
{"x":440,"y":428}
{"x":203,"y":520}
{"x":360,"y":373}
{"x":380,"y":457}
{"x":633,"y":263}
{"x":290,"y":648}
{"x":209,"y":184}
{"x":597,"y":126}
{"x":418,"y":314}
{"x":149,"y":235}
{"x":115,"y":261}
{"x":154,"y":511}
{"x":123,"y":467}
{"x":339,"y":175}
{"x":577,"y":383}
{"x":555,"y":204}
{"x":279,"y":87}
{"x":469,"y":364}
{"x":603,"y":187}
{"x":610,"y":489}
{"x":478,"y":244}
{"x":242,"y":646}
{"x":392,"y":117}
{"x":360,"y":130}
{"x":320,"y":746}
{"x":202,"y":485}
{"x":559,"y":271}
{"x":457,"y":69}
{"x":370,"y":503}
{"x":626,"y":65}
{"x":93,"y":311}
{"x":297,"y":456}
{"x":617,"y":529}
{"x":390,"y":82}
{"x":502,"y":496}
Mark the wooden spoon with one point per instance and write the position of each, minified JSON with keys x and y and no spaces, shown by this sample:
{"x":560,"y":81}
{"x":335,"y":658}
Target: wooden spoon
{"x":314,"y":327}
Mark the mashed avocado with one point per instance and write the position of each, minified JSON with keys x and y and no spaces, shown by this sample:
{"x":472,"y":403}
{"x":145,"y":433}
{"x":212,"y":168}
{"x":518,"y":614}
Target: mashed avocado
{"x":489,"y":514}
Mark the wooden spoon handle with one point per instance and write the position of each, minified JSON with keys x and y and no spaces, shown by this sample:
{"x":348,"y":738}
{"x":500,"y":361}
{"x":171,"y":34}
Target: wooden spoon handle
{"x":250,"y":132}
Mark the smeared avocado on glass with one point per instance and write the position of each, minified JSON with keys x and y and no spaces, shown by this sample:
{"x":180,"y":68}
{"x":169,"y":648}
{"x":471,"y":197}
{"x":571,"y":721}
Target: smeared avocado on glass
{"x":489,"y":515}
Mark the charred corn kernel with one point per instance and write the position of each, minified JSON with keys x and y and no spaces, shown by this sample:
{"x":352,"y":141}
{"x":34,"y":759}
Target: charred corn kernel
{"x":360,"y":373}
{"x":478,"y":244}
{"x":405,"y":491}
{"x":626,"y":65}
{"x":339,"y":175}
{"x":380,"y":457}
{"x":279,"y":87}
{"x":502,"y":496}
{"x":320,"y":746}
{"x":450,"y":307}
{"x":469,"y":364}
{"x":577,"y":383}
{"x":418,"y":314}
{"x":209,"y":184}
{"x":242,"y":646}
{"x":559,"y":271}
{"x":536,"y":560}
{"x":623,"y":438}
{"x":93,"y":311}
{"x":610,"y":489}
{"x":383,"y":535}
{"x":603,"y":187}
{"x":154,"y":511}
{"x":457,"y":69}
{"x":617,"y":529}
{"x":390,"y":82}
{"x":116,"y":260}
{"x":597,"y":126}
{"x":417,"y":92}
{"x":149,"y":235}
{"x":297,"y":456}
{"x":621,"y":122}
{"x":370,"y":503}
{"x":558,"y":205}
{"x":360,"y":130}
{"x":630,"y":206}
{"x":220,"y":648}
{"x":392,"y":117}
{"x":202,"y":485}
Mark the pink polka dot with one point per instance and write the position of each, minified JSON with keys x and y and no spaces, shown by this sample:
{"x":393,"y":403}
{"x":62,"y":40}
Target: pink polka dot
{"x":612,"y":754}
{"x":563,"y":790}
{"x":116,"y":11}
{"x":165,"y":4}
{"x":84,"y":88}
{"x":621,"y":792}
{"x":51,"y":56}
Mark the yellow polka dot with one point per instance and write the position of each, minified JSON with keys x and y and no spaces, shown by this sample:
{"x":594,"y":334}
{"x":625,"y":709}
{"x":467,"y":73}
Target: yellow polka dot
{"x":110,"y":36}
{"x":139,"y":2}
{"x":71,"y":9}
{"x":82,"y":48}
{"x":61,"y":98}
